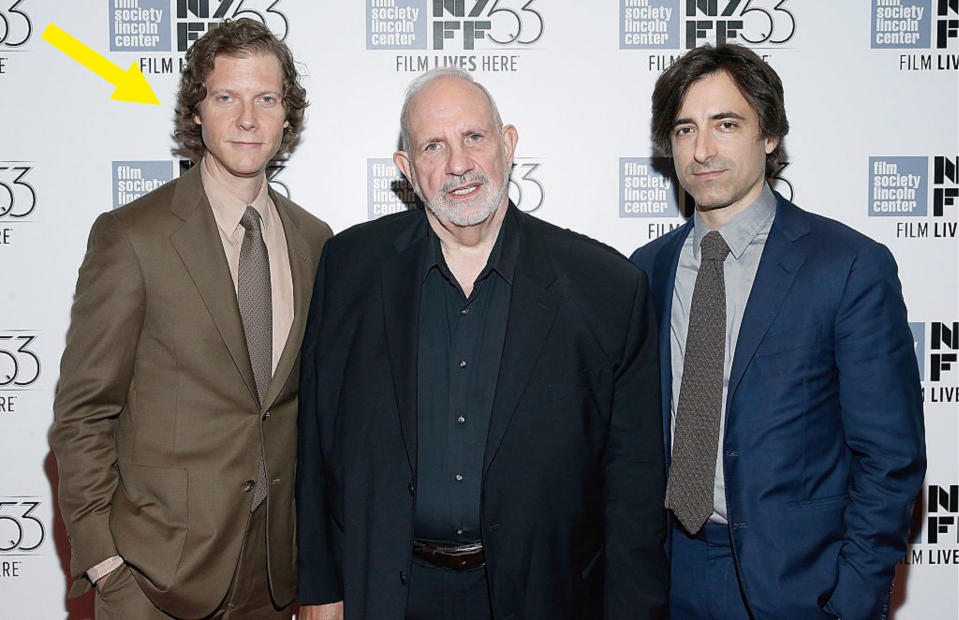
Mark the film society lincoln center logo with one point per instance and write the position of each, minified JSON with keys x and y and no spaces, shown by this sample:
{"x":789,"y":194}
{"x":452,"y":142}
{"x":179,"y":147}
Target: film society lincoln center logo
{"x":173,"y":25}
{"x":919,"y":193}
{"x":133,"y":179}
{"x":686,"y":24}
{"x":475,"y":35}
{"x":931,"y":25}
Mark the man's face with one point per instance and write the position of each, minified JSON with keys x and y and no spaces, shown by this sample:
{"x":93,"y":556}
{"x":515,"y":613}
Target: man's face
{"x":717,"y":149}
{"x":458,"y":162}
{"x":242,"y":116}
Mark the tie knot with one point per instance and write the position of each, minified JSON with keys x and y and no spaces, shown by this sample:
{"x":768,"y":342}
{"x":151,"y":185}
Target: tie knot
{"x":714,"y":247}
{"x":251,"y":220}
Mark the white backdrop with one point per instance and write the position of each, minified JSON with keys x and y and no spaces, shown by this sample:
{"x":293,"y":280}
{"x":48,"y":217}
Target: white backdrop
{"x":872,"y":92}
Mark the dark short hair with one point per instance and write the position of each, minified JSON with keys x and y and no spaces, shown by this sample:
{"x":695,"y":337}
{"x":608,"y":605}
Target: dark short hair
{"x":756,"y":80}
{"x":237,"y":38}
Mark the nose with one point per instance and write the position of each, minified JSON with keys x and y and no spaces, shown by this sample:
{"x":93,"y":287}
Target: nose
{"x":459,"y":162}
{"x":705,"y":146}
{"x":247,"y":117}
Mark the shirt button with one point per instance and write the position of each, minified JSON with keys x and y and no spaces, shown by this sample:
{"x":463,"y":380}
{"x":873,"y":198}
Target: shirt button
{"x":462,"y":363}
{"x":459,"y":477}
{"x":461,"y":420}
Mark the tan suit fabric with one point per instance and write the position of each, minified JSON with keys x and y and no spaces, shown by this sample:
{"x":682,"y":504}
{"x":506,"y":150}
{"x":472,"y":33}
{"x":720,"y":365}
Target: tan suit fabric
{"x":158,"y":428}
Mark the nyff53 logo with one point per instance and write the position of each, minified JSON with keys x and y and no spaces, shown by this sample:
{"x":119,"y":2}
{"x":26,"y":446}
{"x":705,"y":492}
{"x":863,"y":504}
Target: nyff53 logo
{"x":15,"y":24}
{"x":686,"y":24}
{"x":452,"y":24}
{"x":21,"y":529}
{"x":943,"y":509}
{"x":18,"y":198}
{"x":937,"y":353}
{"x":195,"y":17}
{"x":146,"y":25}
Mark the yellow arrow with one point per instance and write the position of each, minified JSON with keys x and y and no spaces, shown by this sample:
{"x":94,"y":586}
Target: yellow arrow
{"x":131,"y":85}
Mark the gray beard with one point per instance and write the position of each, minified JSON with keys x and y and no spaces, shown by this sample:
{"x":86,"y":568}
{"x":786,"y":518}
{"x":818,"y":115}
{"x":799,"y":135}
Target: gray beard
{"x":445,"y":211}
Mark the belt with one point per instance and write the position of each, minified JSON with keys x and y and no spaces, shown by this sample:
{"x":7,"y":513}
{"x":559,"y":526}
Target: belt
{"x":455,"y":557}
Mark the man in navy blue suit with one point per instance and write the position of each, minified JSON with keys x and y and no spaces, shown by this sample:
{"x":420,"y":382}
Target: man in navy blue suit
{"x":791,"y":397}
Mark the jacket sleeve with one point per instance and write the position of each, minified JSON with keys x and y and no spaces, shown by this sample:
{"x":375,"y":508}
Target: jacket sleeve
{"x":96,"y":372}
{"x":634,"y":469}
{"x":881,"y":403}
{"x":319,"y":582}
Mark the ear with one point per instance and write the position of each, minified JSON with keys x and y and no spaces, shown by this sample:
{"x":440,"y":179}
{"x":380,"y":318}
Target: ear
{"x":510,"y":138}
{"x":402,"y":161}
{"x":197,"y":119}
{"x":286,"y":124}
{"x":771,"y":144}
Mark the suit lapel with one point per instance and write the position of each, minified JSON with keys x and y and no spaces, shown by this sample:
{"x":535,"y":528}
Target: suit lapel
{"x":662,"y":283}
{"x":300,"y":270}
{"x":532,"y":311}
{"x":401,"y":308}
{"x":780,"y":262}
{"x":201,"y":250}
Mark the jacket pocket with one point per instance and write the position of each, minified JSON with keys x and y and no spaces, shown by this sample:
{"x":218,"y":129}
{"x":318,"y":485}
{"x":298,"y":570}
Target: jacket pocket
{"x":820,"y":503}
{"x":149,"y":520}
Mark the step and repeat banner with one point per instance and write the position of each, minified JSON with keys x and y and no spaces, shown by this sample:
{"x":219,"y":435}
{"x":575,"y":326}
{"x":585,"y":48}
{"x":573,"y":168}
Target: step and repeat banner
{"x":872,"y":93}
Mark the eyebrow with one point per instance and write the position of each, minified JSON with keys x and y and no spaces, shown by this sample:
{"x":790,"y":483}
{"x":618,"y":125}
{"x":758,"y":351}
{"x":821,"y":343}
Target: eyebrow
{"x":719,"y":116}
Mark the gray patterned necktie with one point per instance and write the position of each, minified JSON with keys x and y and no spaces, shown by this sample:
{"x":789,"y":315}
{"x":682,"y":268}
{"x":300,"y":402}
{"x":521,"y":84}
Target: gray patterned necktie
{"x":689,"y":491}
{"x":255,"y":298}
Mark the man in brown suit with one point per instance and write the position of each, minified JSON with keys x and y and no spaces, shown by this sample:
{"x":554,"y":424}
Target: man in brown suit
{"x":175,"y":415}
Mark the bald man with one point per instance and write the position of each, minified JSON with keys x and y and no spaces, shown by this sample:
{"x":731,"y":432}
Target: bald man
{"x":479,"y":424}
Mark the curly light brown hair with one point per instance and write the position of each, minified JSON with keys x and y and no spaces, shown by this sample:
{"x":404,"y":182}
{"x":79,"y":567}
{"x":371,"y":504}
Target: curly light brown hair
{"x":237,"y":38}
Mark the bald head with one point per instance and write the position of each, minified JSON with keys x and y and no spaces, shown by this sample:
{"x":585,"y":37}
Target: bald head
{"x":456,"y":151}
{"x":421,"y":85}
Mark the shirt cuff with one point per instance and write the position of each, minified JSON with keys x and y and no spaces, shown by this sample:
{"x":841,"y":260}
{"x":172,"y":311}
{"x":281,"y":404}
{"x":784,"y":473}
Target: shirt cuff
{"x":104,"y":568}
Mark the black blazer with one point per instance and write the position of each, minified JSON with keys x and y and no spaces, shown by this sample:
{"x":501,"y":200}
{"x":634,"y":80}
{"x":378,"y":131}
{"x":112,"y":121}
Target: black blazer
{"x":572,"y":512}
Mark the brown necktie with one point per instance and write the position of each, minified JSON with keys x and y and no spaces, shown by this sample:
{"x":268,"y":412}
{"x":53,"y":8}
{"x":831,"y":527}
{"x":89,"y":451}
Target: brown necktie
{"x":255,"y":298}
{"x":692,"y":472}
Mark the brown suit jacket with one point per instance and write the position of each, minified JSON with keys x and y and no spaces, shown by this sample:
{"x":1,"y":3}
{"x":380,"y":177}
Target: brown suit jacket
{"x":157,"y":425}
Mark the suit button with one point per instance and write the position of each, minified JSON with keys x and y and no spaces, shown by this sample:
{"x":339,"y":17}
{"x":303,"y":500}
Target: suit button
{"x":248,"y":486}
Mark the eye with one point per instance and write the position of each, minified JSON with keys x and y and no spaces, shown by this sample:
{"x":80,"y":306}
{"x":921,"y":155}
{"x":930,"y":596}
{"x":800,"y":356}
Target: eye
{"x":727,"y":125}
{"x":269,"y":99}
{"x":223,"y":98}
{"x":682,"y":131}
{"x":475,"y":137}
{"x":432,"y":146}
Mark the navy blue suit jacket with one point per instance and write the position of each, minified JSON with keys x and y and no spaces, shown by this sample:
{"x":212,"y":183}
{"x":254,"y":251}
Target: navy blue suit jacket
{"x":824,"y":448}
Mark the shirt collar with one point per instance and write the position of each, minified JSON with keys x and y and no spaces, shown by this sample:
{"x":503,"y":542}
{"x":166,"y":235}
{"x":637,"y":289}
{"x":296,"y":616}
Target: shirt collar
{"x":739,"y":232}
{"x":502,"y":258}
{"x":228,"y":210}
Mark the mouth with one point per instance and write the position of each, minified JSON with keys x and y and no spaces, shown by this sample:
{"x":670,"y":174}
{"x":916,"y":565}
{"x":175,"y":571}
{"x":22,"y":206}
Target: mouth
{"x":707,"y":175}
{"x":245,"y":145}
{"x":464,"y":191}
